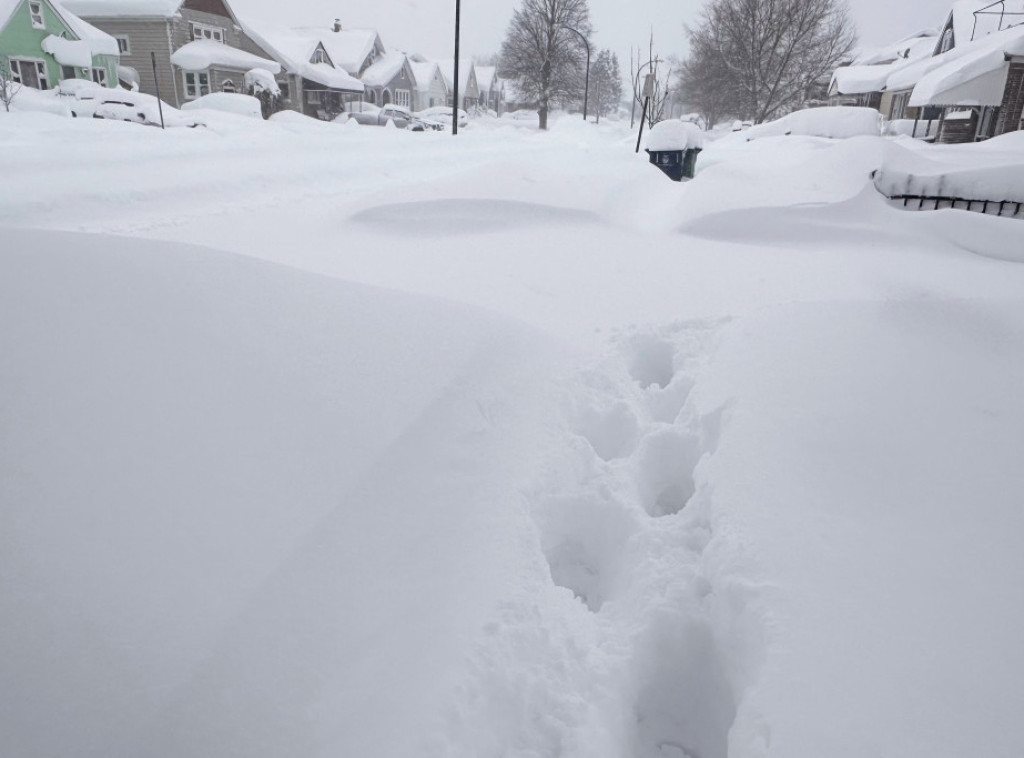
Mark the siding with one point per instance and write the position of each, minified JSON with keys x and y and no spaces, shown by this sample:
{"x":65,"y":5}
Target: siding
{"x":1012,"y":108}
{"x":145,"y":36}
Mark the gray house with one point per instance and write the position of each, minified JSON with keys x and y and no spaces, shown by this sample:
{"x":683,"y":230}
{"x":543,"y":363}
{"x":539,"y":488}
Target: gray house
{"x":390,"y":80}
{"x":200,"y":45}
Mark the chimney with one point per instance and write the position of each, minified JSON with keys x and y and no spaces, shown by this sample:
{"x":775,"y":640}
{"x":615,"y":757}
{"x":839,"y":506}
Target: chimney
{"x":337,"y":24}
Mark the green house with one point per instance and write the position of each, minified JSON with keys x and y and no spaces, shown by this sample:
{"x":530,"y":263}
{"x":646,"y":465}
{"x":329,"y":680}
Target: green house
{"x":42,"y":43}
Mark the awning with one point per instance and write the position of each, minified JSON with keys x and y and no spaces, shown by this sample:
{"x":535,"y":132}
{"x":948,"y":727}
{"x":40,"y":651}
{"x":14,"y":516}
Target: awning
{"x":203,"y":54}
{"x":982,"y":83}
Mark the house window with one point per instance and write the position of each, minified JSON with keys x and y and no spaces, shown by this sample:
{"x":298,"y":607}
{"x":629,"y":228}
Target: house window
{"x":68,"y":72}
{"x":228,"y":86}
{"x":947,"y":41}
{"x":313,"y":96}
{"x":124,"y":46}
{"x":205,"y":31}
{"x":319,"y":56}
{"x":402,"y":97}
{"x":197,"y":84}
{"x":36,"y":11}
{"x":99,"y":75}
{"x":30,"y":73}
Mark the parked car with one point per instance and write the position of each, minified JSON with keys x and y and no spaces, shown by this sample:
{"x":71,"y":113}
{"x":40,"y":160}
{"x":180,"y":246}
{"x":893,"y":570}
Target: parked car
{"x":442,"y":114}
{"x":372,"y":115}
{"x":89,"y":100}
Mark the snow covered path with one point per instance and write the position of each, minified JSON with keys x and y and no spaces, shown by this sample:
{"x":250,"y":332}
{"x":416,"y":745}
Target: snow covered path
{"x":524,"y":452}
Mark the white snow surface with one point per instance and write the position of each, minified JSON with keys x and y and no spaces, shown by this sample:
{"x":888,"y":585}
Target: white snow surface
{"x":832,"y":122}
{"x":673,"y":134}
{"x":203,"y":53}
{"x":342,"y":441}
{"x":68,"y":52}
{"x":228,"y":102}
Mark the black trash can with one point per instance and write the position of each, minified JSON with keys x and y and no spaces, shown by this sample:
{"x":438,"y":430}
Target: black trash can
{"x":673,"y":147}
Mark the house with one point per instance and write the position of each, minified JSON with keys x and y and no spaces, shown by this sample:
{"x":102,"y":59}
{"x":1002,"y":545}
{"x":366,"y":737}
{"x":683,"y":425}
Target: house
{"x":43,"y":42}
{"x":353,"y":50}
{"x":492,"y":88}
{"x":319,"y":87}
{"x":862,"y":82}
{"x":200,"y":46}
{"x":469,"y":90}
{"x":390,"y":80}
{"x":431,"y":87}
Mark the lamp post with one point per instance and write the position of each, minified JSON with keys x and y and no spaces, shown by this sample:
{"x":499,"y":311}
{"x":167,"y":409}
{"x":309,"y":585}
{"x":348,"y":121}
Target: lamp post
{"x":455,"y":79}
{"x":586,"y":84}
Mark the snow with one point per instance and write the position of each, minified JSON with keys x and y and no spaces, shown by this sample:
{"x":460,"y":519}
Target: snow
{"x":68,"y":52}
{"x":203,"y":54}
{"x":976,"y":76}
{"x":329,"y":76}
{"x":833,"y":122}
{"x":228,"y":102}
{"x":130,"y":8}
{"x":330,"y":441}
{"x":384,"y":69}
{"x":675,"y":135}
{"x":261,"y":80}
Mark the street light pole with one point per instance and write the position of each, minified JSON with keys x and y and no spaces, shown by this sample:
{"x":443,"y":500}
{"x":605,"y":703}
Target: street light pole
{"x":586,"y":85}
{"x":455,"y":80}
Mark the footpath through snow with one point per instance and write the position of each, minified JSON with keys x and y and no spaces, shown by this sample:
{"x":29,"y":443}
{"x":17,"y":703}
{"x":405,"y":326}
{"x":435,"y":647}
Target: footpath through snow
{"x":525,"y":451}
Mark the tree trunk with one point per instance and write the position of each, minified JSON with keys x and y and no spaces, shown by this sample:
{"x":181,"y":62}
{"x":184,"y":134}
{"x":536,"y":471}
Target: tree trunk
{"x":543,"y":113}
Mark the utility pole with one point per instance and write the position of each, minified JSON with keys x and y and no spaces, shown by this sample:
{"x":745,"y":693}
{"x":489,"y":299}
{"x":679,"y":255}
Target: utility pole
{"x":455,"y":79}
{"x":159,"y":102}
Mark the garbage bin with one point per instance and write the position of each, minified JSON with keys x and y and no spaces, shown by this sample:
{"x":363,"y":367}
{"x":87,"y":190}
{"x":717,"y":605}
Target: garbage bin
{"x":674,"y":146}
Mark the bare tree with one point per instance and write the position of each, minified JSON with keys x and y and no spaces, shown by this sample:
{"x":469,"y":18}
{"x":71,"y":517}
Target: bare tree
{"x":704,"y":87}
{"x":764,"y":56}
{"x":8,"y":87}
{"x":546,"y":60}
{"x":661,"y":98}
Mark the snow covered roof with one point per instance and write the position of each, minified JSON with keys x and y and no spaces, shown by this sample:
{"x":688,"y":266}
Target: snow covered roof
{"x":204,"y":53}
{"x":448,"y":70}
{"x":335,"y":78}
{"x":857,"y":80}
{"x":384,"y":69}
{"x":424,"y":73}
{"x":116,"y":8}
{"x":485,"y":76}
{"x":349,"y":48}
{"x":917,"y":45}
{"x":976,"y":75}
{"x":68,"y":52}
{"x":966,"y":24}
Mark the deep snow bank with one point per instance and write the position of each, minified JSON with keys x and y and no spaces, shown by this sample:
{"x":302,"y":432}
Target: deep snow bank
{"x":246,"y":510}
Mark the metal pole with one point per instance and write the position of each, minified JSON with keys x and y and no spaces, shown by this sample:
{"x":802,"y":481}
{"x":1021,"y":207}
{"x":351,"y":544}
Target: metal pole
{"x":643,"y":117}
{"x":455,"y":82}
{"x":586,"y":84}
{"x":159,"y":103}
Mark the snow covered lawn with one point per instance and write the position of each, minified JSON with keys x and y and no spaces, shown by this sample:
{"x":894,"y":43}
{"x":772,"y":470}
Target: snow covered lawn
{"x":319,"y":440}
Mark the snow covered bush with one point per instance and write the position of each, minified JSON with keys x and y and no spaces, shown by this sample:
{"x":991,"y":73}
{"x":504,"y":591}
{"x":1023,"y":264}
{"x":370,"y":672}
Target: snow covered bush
{"x":8,"y":87}
{"x":260,"y":83}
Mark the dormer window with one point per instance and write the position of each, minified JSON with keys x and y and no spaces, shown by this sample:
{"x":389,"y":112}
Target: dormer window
{"x":205,"y":31}
{"x":319,"y":56}
{"x":36,"y":12}
{"x":947,"y":41}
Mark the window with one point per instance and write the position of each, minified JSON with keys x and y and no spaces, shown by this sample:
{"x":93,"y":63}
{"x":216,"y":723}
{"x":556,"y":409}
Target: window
{"x":313,"y":96}
{"x":947,"y":41}
{"x":402,"y":97}
{"x":30,"y":73}
{"x":319,"y":56}
{"x":228,"y":86}
{"x":205,"y":31}
{"x":124,"y":46}
{"x":197,"y":84}
{"x":68,"y":72}
{"x":99,"y":75}
{"x":36,"y":11}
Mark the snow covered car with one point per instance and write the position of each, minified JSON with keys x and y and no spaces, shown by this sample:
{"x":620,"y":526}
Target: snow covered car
{"x":372,"y":115}
{"x":90,"y":100}
{"x":227,"y":102}
{"x":441,"y":114}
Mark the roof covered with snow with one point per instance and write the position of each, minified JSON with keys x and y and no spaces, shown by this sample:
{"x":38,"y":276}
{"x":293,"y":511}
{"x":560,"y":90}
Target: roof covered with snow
{"x":384,"y":69}
{"x":334,"y":78}
{"x":485,"y":76}
{"x":131,"y":8}
{"x":204,"y":53}
{"x":424,"y":73}
{"x":99,"y":42}
{"x":975,"y":75}
{"x":913,"y":46}
{"x":448,"y":70}
{"x":350,"y":48}
{"x":856,"y":80}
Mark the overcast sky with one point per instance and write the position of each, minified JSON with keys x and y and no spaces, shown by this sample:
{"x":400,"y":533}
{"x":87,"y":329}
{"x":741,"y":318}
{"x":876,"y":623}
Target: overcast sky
{"x":427,"y":26}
